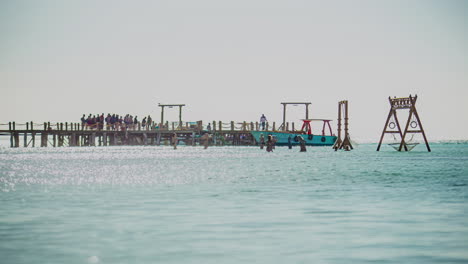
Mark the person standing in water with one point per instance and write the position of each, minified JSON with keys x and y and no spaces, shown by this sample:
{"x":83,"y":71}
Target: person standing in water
{"x":174,"y":140}
{"x":206,"y":140}
{"x":269,"y":144}
{"x":302,"y":144}
{"x":262,"y":141}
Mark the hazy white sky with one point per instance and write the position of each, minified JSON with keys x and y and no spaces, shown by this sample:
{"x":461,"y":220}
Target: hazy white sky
{"x":234,"y":60}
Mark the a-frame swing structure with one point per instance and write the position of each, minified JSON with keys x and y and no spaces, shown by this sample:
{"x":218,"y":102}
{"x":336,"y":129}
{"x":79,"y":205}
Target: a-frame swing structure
{"x":392,"y":125}
{"x":343,"y":142}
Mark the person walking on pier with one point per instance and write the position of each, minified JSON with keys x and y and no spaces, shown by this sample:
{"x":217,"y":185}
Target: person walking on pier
{"x":143,"y":122}
{"x":263,"y":121}
{"x":135,"y":122}
{"x":150,"y":122}
{"x":83,"y":120}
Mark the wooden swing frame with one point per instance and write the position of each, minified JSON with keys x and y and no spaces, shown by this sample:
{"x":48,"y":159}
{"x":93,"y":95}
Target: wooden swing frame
{"x":399,"y":104}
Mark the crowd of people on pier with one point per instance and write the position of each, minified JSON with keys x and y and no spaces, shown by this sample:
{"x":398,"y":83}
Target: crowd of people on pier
{"x":116,"y":122}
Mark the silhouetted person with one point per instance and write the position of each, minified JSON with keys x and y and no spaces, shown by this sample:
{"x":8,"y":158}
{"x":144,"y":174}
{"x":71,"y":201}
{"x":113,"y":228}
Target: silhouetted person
{"x":269,"y":143}
{"x":263,"y":121}
{"x":302,"y":144}
{"x":262,"y":141}
{"x":174,"y":140}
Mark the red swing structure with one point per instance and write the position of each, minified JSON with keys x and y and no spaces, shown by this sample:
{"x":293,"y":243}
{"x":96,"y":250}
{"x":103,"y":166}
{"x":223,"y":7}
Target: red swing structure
{"x":392,"y":125}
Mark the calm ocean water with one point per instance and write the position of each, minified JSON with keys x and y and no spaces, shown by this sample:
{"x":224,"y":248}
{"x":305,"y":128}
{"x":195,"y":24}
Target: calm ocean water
{"x":234,"y":205}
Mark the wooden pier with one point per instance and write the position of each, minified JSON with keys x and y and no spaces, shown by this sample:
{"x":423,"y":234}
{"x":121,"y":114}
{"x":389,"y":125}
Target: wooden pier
{"x":76,"y":134}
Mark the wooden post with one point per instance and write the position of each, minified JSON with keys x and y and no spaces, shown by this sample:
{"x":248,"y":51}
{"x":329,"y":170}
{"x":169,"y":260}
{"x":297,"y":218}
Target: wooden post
{"x":284,"y":115}
{"x":232,"y":125}
{"x":274,"y":126}
{"x":158,"y":140}
{"x":71,"y":139}
{"x":220,"y":126}
{"x":17,"y":143}
{"x":33,"y":140}
{"x":54,"y":140}
{"x":12,"y":144}
{"x":180,"y":116}
{"x":104,"y":138}
{"x":44,"y":139}
{"x":162,"y":115}
{"x":26,"y":138}
{"x":338,"y":141}
{"x":345,"y":141}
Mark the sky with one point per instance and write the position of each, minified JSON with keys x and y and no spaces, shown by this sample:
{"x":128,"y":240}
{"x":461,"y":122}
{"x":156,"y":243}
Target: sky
{"x":236,"y":60}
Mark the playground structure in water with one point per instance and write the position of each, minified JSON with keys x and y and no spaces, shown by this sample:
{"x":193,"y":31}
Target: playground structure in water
{"x":283,"y":137}
{"x":392,"y":125}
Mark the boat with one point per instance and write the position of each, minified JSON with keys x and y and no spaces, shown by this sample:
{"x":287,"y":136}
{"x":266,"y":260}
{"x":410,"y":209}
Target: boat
{"x":286,"y":138}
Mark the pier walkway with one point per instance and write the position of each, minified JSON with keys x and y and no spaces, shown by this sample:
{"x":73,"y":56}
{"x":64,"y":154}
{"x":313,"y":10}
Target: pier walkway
{"x":77,"y":134}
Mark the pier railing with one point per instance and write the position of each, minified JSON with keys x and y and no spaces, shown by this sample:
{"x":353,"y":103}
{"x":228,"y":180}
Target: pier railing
{"x":214,"y":126}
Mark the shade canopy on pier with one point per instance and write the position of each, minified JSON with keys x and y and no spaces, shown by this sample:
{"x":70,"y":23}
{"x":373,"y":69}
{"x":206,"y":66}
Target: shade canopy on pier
{"x":294,"y":103}
{"x":170,"y":106}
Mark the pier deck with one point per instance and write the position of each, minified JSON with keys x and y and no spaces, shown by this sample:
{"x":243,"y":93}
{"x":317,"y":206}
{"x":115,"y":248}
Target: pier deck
{"x":76,"y":134}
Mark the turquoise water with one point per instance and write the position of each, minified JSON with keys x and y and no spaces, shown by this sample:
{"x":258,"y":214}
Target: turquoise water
{"x":234,"y":205}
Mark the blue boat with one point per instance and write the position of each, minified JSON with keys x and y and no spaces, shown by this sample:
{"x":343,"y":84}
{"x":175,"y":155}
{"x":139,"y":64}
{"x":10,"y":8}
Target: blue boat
{"x":285,"y":138}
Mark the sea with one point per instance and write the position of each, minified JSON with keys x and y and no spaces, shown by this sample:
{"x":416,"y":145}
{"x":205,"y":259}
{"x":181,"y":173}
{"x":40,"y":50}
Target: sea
{"x":156,"y":204}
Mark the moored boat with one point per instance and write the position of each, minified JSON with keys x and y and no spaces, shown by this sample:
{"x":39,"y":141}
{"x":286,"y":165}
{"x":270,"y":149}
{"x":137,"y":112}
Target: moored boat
{"x":285,"y":138}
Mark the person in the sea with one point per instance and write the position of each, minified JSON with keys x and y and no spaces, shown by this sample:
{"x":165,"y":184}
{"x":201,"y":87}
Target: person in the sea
{"x":302,"y":144}
{"x":174,"y":140}
{"x":269,"y":143}
{"x":262,"y":141}
{"x":263,"y":121}
{"x":206,"y":140}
